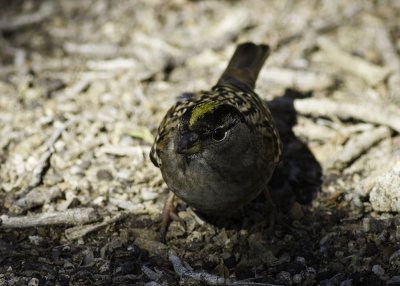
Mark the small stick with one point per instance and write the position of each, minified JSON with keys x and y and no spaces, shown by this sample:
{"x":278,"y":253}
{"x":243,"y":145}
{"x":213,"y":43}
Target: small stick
{"x":318,"y":28}
{"x":80,"y":231}
{"x":44,"y":160}
{"x":358,"y":145}
{"x":301,"y":80}
{"x":371,"y":73}
{"x":390,"y":57}
{"x":38,"y":197}
{"x":184,"y":272}
{"x":75,"y":89}
{"x":222,"y":33}
{"x":12,"y":24}
{"x":207,"y":278}
{"x":151,"y":274}
{"x":95,"y":50}
{"x":365,"y":112}
{"x":69,"y":217}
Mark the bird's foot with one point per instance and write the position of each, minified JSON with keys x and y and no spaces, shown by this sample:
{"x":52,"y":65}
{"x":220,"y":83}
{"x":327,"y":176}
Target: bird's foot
{"x":168,"y":214}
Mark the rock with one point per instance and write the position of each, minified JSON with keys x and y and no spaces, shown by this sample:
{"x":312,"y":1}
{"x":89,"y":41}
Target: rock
{"x":33,"y":282}
{"x":297,"y":278}
{"x":104,"y":175}
{"x":385,"y":195}
{"x":148,"y":195}
{"x":152,"y":246}
{"x":284,"y":277}
{"x":378,"y":270}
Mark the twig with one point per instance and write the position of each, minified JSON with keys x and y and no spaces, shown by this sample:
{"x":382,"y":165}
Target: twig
{"x":69,"y":217}
{"x":227,"y":29}
{"x":49,"y":65}
{"x":207,"y":278}
{"x":297,"y":79}
{"x":81,"y":231}
{"x":151,"y":274}
{"x":98,"y":49}
{"x":183,"y":272}
{"x":11,"y":24}
{"x":358,"y":145}
{"x":371,"y":73}
{"x":365,"y":112}
{"x":390,"y":57}
{"x":38,"y":197}
{"x":75,"y":89}
{"x":114,"y":64}
{"x":224,"y":31}
{"x":139,"y":152}
{"x":313,"y":131}
{"x":44,"y":160}
{"x":385,"y":44}
{"x":324,"y":27}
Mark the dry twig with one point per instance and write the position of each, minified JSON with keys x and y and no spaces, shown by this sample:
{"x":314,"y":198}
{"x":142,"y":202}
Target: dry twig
{"x":390,"y":56}
{"x":204,"y":277}
{"x":298,"y":79}
{"x":11,"y":24}
{"x":38,"y":197}
{"x":69,"y":217}
{"x":365,"y":112}
{"x":223,"y":32}
{"x":81,"y":231}
{"x":358,"y":145}
{"x":324,"y":27}
{"x":371,"y":73}
{"x":44,"y":160}
{"x":209,"y":279}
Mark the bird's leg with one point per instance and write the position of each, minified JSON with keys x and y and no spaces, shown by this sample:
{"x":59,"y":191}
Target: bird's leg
{"x":168,"y":213}
{"x":273,"y":212}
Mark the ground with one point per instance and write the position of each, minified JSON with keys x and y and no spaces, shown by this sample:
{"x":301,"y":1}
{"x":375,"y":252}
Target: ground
{"x":84,"y":85}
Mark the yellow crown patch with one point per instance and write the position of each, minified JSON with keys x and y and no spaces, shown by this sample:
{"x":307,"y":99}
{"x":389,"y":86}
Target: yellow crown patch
{"x":200,"y":110}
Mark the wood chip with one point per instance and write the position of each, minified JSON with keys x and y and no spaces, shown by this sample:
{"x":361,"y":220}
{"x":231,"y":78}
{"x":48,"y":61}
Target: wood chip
{"x":69,"y":217}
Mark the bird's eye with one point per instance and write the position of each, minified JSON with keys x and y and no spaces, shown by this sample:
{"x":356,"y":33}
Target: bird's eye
{"x":219,"y":134}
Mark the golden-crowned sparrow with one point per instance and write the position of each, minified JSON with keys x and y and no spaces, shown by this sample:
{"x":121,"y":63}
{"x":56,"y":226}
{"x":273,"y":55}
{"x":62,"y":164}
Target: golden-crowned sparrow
{"x":218,"y":149}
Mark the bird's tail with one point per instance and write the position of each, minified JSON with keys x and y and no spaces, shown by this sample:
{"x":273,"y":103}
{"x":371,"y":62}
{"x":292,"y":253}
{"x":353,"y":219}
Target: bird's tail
{"x":245,"y":65}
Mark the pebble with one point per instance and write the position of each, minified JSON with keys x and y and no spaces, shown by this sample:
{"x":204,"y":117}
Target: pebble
{"x":297,"y":278}
{"x":347,"y":282}
{"x":385,"y":196}
{"x":309,"y":274}
{"x":33,"y":282}
{"x":395,"y":256}
{"x":300,"y":260}
{"x":378,"y":270}
{"x":104,"y":175}
{"x":285,"y":277}
{"x":149,"y":195}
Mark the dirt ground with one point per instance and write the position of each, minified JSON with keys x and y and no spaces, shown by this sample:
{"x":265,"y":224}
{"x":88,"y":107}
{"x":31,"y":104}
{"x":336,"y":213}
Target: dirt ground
{"x":84,"y":85}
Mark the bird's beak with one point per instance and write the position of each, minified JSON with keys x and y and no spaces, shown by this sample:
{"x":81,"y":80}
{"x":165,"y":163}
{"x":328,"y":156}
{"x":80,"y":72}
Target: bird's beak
{"x":188,"y":144}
